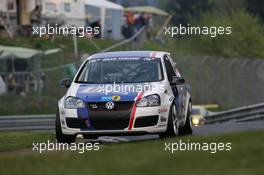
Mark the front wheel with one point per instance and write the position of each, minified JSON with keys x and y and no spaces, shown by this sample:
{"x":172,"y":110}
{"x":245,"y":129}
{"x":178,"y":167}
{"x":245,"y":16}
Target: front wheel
{"x":62,"y":138}
{"x":187,"y":128}
{"x":172,"y":126}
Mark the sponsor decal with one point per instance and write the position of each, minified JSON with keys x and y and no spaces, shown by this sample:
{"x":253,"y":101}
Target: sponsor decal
{"x":116,"y":59}
{"x":106,"y":98}
{"x":171,"y":98}
{"x":93,"y":106}
{"x":111,"y":98}
{"x":116,"y":98}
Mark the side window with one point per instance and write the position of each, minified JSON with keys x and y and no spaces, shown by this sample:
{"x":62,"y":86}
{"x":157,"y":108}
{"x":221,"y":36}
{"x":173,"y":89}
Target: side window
{"x":169,"y":68}
{"x":177,"y":71}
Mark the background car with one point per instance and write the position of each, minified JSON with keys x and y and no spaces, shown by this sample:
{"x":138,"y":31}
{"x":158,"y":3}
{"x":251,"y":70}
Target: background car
{"x":200,"y":111}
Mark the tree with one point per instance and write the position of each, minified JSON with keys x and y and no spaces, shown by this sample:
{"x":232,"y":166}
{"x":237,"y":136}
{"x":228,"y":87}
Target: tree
{"x":183,"y":10}
{"x":256,"y":7}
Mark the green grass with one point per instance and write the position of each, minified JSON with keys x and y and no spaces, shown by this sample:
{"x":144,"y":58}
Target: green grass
{"x":20,"y":140}
{"x":148,"y":157}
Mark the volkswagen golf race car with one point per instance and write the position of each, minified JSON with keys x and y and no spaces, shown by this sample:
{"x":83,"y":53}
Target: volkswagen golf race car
{"x":125,"y":93}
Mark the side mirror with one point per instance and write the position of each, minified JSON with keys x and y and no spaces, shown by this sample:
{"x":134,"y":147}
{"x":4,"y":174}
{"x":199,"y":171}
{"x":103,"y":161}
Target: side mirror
{"x":177,"y":80}
{"x":65,"y":82}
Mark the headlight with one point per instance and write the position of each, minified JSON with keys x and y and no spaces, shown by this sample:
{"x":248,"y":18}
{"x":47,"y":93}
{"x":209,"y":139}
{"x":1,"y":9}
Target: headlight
{"x":151,"y":100}
{"x":195,"y":121}
{"x":74,"y":103}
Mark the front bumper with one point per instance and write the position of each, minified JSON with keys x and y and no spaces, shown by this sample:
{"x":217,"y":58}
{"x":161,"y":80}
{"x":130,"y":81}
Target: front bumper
{"x":142,"y":123}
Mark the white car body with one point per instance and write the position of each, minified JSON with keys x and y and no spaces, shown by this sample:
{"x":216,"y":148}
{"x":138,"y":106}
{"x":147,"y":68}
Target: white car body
{"x":93,"y":96}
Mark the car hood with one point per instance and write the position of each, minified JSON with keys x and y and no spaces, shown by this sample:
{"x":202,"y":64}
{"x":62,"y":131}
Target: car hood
{"x":113,"y":92}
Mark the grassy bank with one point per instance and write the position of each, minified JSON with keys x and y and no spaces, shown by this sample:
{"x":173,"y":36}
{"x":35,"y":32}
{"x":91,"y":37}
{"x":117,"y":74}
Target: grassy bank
{"x":147,"y":157}
{"x":20,"y":140}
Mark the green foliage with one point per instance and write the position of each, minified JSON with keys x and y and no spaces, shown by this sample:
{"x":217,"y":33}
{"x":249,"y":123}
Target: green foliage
{"x":246,"y":40}
{"x":244,"y":16}
{"x":182,"y":10}
{"x":256,"y":7}
{"x":229,"y":5}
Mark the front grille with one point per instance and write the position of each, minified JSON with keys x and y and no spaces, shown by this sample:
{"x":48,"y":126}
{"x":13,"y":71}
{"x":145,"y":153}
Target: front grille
{"x":76,"y":123}
{"x":119,"y":106}
{"x":110,"y":124}
{"x":146,"y":121}
{"x":103,"y":119}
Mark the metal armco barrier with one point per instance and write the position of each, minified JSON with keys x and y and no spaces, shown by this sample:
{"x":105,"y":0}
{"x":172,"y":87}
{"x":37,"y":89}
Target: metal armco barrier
{"x":47,"y":122}
{"x":242,"y":114}
{"x":27,"y":122}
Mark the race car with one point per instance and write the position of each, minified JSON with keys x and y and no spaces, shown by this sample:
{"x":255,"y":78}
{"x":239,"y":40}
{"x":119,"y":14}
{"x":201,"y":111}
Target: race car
{"x":125,"y":93}
{"x":199,"y":112}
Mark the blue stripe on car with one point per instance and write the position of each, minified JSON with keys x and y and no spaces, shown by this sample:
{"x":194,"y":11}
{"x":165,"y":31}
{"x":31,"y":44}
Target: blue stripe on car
{"x":89,"y":93}
{"x":83,"y":113}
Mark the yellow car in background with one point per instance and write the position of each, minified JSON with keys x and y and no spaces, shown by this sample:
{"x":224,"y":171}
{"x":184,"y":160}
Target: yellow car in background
{"x":200,"y":111}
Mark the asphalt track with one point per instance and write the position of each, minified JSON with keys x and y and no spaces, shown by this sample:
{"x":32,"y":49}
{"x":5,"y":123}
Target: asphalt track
{"x":208,"y":129}
{"x":212,"y":129}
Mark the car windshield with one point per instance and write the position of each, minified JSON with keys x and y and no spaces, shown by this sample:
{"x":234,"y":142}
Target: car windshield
{"x":121,"y":70}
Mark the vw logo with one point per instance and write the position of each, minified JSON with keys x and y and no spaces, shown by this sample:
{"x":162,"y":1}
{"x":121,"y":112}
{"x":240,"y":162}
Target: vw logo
{"x":110,"y":105}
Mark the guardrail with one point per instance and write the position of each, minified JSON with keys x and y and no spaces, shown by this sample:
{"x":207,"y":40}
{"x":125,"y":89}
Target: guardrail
{"x":27,"y":122}
{"x":47,"y":122}
{"x":242,"y":114}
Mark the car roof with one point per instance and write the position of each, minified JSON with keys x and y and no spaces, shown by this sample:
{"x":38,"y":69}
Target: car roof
{"x":152,"y":54}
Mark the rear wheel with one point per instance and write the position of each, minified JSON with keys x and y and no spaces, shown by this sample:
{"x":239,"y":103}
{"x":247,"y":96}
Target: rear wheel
{"x":172,"y":126}
{"x":187,"y":128}
{"x":62,"y":138}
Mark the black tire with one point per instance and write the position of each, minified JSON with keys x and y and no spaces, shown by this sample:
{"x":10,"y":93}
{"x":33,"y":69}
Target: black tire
{"x":62,"y":138}
{"x":90,"y":137}
{"x":172,"y":126}
{"x":187,"y":128}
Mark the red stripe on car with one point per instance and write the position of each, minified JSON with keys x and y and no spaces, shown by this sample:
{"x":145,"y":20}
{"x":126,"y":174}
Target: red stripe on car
{"x":132,"y":116}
